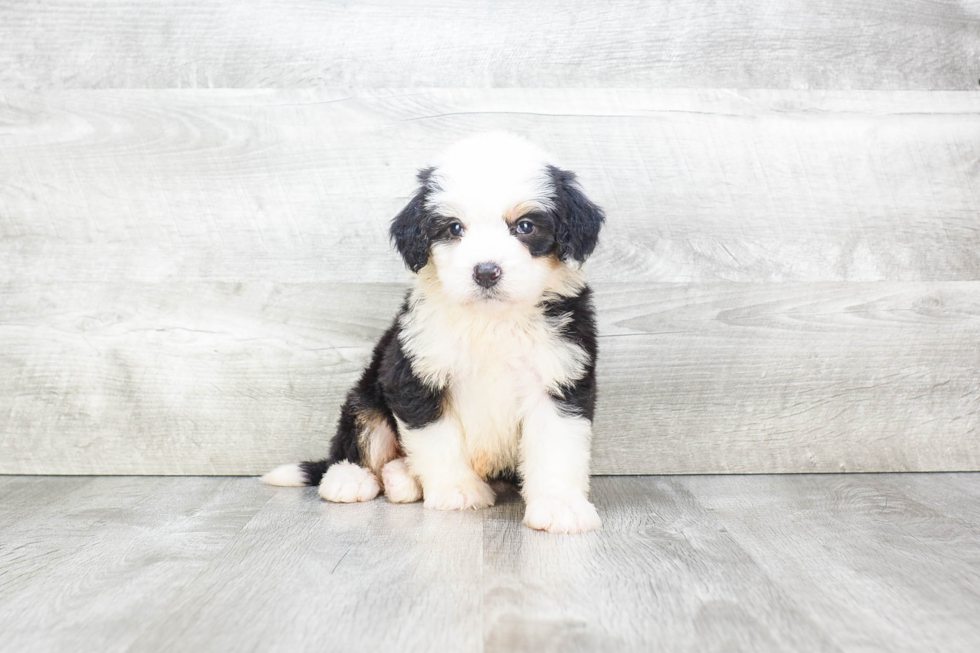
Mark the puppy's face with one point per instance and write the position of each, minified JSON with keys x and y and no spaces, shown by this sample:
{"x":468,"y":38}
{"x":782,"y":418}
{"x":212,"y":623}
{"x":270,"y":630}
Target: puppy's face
{"x":495,"y":223}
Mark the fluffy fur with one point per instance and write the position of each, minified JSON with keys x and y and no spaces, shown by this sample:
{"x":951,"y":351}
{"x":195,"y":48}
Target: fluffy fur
{"x":488,"y":371}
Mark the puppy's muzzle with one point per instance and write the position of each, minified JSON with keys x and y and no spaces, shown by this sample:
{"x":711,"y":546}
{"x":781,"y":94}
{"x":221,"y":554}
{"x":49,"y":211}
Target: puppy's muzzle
{"x":487,"y":274}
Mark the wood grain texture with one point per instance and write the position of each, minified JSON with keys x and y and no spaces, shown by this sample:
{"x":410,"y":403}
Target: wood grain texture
{"x":108,"y":552}
{"x":236,"y":378}
{"x":663,"y":573}
{"x":826,"y":563}
{"x":190,"y":279}
{"x":354,"y":579}
{"x":300,"y":185}
{"x":784,"y":377}
{"x":852,"y":528}
{"x":879,"y":44}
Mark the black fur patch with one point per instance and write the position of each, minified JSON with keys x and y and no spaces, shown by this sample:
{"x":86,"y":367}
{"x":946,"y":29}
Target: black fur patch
{"x":577,"y":218}
{"x":437,"y":228}
{"x":541,"y":241}
{"x":388,"y":387}
{"x":343,"y":446}
{"x":411,"y":400}
{"x":577,"y":398}
{"x":410,"y":228}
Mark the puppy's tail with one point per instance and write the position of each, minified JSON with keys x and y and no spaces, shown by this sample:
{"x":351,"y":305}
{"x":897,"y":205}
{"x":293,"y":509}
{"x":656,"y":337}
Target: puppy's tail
{"x":298,"y":474}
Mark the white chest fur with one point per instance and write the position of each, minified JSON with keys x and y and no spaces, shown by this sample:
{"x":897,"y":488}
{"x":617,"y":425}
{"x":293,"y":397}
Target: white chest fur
{"x":492,"y":366}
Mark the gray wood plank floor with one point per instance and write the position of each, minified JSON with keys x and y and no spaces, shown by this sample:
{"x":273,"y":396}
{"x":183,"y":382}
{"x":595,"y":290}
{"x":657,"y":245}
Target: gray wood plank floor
{"x":697,"y":563}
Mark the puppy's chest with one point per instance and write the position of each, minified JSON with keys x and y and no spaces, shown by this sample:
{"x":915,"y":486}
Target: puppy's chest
{"x":493,"y":372}
{"x":505,"y":358}
{"x":496,"y":378}
{"x":508,"y":363}
{"x":491,"y":380}
{"x":488,"y":391}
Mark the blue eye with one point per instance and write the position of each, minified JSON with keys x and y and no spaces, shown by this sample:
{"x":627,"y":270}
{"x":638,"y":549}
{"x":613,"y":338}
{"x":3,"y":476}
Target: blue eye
{"x":525,"y":227}
{"x":456,"y":229}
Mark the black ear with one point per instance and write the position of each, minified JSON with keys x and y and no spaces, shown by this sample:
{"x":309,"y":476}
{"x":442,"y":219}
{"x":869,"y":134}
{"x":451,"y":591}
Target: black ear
{"x":409,"y":229}
{"x":578,"y":219}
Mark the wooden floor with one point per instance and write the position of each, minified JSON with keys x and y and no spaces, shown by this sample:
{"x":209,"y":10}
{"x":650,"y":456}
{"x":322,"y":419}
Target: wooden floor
{"x":885,"y":562}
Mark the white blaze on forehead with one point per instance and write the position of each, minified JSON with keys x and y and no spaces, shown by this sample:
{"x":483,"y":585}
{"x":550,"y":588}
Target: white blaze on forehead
{"x":485,"y":177}
{"x":485,"y":182}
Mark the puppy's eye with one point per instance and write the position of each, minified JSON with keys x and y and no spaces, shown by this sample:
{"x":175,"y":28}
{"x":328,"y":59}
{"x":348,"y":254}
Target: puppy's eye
{"x":525,"y":227}
{"x":456,"y":229}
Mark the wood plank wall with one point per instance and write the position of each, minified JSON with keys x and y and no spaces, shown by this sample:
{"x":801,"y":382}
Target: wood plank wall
{"x":194,"y":200}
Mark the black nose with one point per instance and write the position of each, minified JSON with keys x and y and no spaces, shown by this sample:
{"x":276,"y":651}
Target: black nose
{"x":487,"y":274}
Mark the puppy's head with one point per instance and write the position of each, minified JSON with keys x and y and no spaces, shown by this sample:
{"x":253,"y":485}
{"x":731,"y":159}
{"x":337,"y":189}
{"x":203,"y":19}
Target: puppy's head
{"x":495,"y":222}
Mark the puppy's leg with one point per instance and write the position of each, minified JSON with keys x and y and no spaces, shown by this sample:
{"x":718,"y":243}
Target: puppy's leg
{"x":343,"y":477}
{"x":437,"y":458}
{"x":364,"y":441}
{"x":554,"y":465}
{"x":363,"y":444}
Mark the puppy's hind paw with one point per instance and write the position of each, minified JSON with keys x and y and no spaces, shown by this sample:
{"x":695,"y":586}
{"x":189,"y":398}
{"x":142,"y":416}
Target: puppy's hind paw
{"x":346,"y":482}
{"x":562,"y":515}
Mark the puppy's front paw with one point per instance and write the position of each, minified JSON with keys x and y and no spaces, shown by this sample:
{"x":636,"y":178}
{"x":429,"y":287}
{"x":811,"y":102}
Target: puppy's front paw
{"x":346,"y":482}
{"x":562,"y":515}
{"x":400,"y":486}
{"x":468,"y":495}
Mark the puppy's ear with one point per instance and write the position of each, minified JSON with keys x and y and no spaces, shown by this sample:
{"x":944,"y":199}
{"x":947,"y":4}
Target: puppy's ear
{"x":578,"y":218}
{"x":409,"y":228}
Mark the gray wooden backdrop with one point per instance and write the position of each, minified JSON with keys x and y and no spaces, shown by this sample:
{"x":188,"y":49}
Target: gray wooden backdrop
{"x":194,"y":199}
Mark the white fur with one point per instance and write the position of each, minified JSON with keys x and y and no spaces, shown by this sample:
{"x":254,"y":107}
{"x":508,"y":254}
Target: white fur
{"x":446,"y":339}
{"x":286,"y":476}
{"x":400,"y":486}
{"x":555,"y":453}
{"x":436,"y":455}
{"x":488,"y":363}
{"x":346,"y":482}
{"x":484,"y":177}
{"x":562,"y":514}
{"x":484,"y":182}
{"x":472,"y":494}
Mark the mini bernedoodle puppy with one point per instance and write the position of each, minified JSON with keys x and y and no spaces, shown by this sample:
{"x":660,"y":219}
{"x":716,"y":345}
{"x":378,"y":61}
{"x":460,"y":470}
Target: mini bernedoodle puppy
{"x":488,"y":371}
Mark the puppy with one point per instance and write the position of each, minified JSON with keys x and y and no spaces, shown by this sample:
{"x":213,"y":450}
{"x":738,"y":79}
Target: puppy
{"x":488,"y":371}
